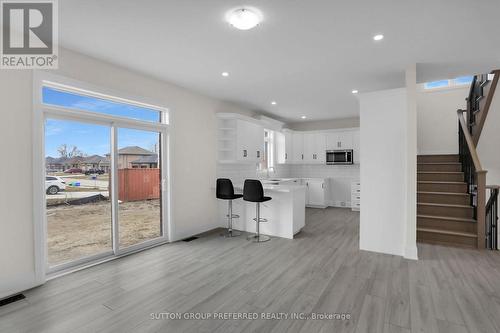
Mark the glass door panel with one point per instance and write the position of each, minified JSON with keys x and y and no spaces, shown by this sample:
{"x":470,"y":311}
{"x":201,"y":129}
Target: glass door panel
{"x":77,"y":182}
{"x":139,"y":186}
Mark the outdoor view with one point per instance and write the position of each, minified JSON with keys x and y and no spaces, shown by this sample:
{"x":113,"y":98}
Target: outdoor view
{"x":78,"y":180}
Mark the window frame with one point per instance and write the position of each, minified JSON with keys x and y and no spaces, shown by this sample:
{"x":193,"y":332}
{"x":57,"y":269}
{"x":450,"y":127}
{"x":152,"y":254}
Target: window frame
{"x":42,"y":112}
{"x":269,"y":154}
{"x":452,"y":84}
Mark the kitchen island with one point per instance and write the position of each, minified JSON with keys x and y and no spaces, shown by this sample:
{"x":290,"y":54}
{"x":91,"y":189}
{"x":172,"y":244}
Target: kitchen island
{"x":285,"y":213}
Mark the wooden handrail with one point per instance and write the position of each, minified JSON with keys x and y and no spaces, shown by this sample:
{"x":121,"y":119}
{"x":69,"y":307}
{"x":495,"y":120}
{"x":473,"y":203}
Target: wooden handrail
{"x":470,"y":142}
{"x":480,"y":183}
{"x":487,"y":104}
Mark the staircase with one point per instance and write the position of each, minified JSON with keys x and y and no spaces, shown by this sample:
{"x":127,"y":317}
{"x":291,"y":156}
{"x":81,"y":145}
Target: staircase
{"x":444,"y":211}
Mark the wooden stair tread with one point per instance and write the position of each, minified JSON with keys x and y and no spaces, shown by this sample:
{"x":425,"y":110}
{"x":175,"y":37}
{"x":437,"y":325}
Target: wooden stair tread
{"x":447,"y":232}
{"x":453,"y":163}
{"x":443,"y":205}
{"x":441,"y":172}
{"x":438,"y":155}
{"x":439,"y":182}
{"x":443,"y":193}
{"x":448,"y":218}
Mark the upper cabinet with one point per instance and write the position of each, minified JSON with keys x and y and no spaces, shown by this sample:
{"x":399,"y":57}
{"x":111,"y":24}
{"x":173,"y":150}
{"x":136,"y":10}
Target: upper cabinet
{"x":314,"y":147}
{"x":339,"y":140}
{"x":297,"y":147}
{"x":310,"y":147}
{"x":239,"y":140}
{"x":283,"y":146}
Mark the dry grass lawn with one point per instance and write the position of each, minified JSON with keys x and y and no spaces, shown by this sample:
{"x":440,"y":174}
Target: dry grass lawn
{"x":79,"y":231}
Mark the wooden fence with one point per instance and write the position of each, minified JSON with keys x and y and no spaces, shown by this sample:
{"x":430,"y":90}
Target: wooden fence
{"x":138,"y":184}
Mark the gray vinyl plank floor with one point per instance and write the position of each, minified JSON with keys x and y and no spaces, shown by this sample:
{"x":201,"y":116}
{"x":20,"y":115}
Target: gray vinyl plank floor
{"x":320,"y":272}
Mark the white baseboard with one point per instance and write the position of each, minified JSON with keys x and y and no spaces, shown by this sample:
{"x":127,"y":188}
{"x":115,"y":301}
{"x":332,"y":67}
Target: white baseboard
{"x":411,"y":253}
{"x":19,"y":287}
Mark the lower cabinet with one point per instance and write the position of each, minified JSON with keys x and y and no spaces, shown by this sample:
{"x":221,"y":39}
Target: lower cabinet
{"x":316,"y":190}
{"x":356,"y":196}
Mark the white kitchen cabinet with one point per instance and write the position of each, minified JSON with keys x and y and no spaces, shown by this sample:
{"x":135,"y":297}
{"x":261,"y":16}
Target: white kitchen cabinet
{"x":239,"y":140}
{"x":314,"y":148}
{"x":316,"y":190}
{"x":339,"y":140}
{"x":283,"y":144}
{"x":288,"y":146}
{"x":356,"y":195}
{"x":297,"y":147}
{"x":280,"y":147}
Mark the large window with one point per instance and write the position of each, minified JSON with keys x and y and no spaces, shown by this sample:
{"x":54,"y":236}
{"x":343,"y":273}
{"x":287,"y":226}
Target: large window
{"x":268,"y":160}
{"x":459,"y":81}
{"x":104,"y":169}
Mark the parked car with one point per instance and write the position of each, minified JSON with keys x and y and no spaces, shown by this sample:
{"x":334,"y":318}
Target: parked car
{"x":94,"y":172}
{"x":74,"y":170}
{"x":53,"y":185}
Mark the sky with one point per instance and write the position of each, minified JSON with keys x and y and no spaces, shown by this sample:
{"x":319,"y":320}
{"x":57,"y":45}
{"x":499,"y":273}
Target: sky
{"x":89,"y":138}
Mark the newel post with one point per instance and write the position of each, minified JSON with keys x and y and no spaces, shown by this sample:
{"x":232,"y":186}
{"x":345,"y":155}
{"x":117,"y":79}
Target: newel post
{"x":481,"y":209}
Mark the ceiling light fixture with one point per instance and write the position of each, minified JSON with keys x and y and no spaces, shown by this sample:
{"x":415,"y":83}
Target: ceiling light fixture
{"x":273,"y":103}
{"x":225,"y":74}
{"x":355,"y":91}
{"x":378,"y":37}
{"x":244,"y":18}
{"x":303,"y":117}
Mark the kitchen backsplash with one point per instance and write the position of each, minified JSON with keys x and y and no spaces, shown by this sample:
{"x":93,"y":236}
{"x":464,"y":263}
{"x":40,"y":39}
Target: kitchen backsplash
{"x":239,"y":172}
{"x":324,"y":171}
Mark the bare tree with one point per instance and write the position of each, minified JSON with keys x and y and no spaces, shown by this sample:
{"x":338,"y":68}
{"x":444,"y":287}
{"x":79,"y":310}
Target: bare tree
{"x":69,"y":152}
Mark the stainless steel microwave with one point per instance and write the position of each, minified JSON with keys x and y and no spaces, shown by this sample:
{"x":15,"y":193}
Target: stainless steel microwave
{"x":339,"y":156}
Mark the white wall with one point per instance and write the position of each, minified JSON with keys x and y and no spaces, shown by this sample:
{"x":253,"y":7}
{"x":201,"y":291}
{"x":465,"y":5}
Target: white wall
{"x":383,"y":171}
{"x":193,"y":142}
{"x":437,"y":119}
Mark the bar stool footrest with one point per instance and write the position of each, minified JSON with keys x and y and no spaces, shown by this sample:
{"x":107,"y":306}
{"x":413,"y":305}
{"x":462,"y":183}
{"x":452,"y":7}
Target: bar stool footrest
{"x":259,"y":238}
{"x":230,"y":233}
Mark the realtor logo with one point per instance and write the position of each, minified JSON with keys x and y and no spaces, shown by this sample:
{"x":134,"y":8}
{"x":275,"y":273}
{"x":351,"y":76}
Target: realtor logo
{"x":29,"y":34}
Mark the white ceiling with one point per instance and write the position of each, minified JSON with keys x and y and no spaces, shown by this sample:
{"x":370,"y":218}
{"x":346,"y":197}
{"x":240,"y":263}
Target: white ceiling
{"x":306,"y":55}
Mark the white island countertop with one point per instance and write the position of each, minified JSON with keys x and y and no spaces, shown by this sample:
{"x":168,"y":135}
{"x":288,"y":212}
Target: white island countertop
{"x":285,"y":212}
{"x":276,"y":188}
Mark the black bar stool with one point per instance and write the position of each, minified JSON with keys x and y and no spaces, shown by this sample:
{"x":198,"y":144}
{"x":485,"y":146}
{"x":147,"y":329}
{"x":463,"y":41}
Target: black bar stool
{"x":253,"y":192}
{"x":225,"y":191}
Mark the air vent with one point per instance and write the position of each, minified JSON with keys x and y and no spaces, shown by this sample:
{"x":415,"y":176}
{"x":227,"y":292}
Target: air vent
{"x":12,"y":299}
{"x":190,"y":239}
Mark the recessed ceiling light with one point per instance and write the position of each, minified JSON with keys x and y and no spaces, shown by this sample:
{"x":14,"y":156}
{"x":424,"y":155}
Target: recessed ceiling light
{"x":273,"y":103}
{"x":355,"y":91}
{"x":303,"y":117}
{"x":225,"y":74}
{"x":378,"y":37}
{"x":244,"y":18}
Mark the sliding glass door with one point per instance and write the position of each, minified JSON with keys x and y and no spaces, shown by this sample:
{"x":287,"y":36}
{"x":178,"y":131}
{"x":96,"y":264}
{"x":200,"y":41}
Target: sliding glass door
{"x":79,"y":216}
{"x":104,"y":175}
{"x":139,"y":186}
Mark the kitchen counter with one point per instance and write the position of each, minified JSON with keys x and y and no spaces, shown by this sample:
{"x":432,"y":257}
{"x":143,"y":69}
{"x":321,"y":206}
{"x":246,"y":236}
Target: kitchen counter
{"x":273,"y":187}
{"x":285,"y":212}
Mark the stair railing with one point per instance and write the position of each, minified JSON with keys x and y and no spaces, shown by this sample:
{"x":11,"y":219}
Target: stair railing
{"x":492,"y":218}
{"x":479,"y":101}
{"x":475,"y":177}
